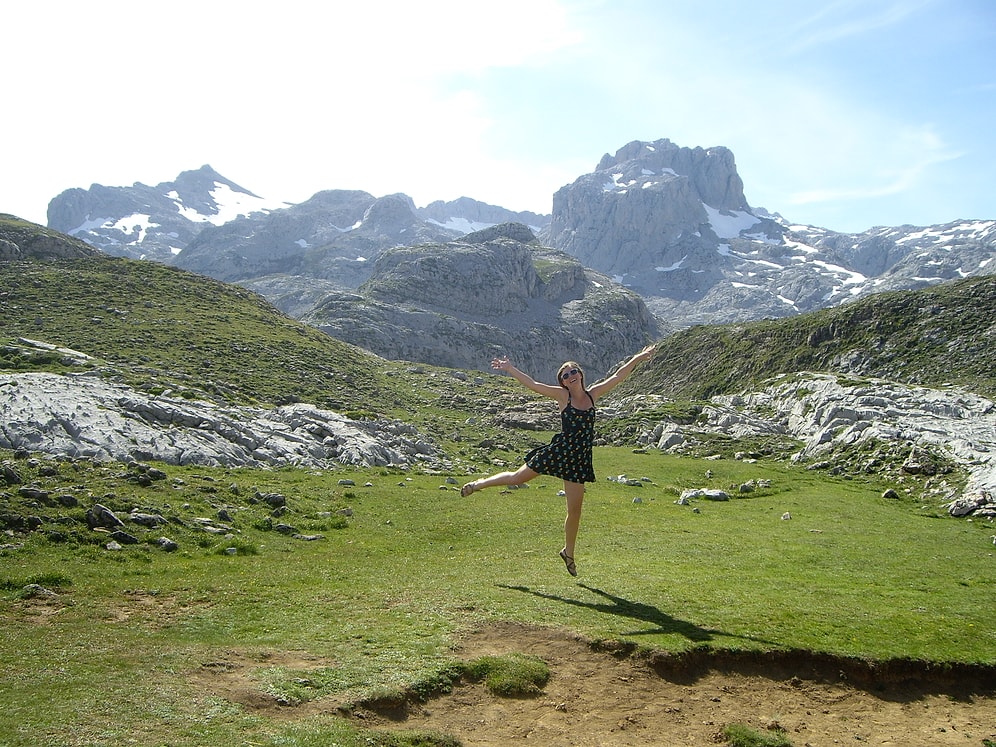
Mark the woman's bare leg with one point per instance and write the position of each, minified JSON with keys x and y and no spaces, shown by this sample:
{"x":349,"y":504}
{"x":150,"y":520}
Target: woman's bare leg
{"x":574,"y":492}
{"x":522,"y":475}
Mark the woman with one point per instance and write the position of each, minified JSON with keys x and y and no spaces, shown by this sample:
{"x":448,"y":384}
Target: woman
{"x":568,"y":455}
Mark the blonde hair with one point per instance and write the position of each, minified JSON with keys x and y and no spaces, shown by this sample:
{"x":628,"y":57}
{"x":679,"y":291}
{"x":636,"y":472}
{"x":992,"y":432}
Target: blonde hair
{"x":567,"y":366}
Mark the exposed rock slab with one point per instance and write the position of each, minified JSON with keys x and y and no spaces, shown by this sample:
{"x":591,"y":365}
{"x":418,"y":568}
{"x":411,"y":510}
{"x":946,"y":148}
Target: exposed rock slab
{"x":83,"y":416}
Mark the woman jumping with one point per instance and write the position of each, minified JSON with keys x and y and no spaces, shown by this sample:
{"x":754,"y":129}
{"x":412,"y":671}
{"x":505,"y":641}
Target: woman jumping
{"x":568,"y":455}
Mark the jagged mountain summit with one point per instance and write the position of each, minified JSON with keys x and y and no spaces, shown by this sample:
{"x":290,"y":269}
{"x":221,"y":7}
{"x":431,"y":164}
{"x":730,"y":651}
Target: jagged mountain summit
{"x":229,"y":233}
{"x":156,"y":223}
{"x":673,"y":224}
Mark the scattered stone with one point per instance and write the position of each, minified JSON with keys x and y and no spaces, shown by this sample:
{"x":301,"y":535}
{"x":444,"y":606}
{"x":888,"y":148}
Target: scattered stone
{"x":786,"y":516}
{"x":101,"y":516}
{"x":37,"y":591}
{"x":10,"y":475}
{"x":710,"y":494}
{"x":146,"y":520}
{"x":34,"y":494}
{"x":165,"y":543}
{"x":124,"y":538}
{"x":276,"y":500}
{"x":891,"y":495}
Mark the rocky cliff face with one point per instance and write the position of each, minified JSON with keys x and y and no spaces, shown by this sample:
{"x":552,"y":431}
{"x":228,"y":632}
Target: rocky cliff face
{"x":497,"y":292}
{"x":674,"y":225}
{"x":653,"y":215}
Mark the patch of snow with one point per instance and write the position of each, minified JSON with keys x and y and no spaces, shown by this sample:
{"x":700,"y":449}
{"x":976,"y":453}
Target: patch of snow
{"x":89,"y":225}
{"x":676,"y":266}
{"x":461,"y":224}
{"x":228,"y":203}
{"x":728,"y":226}
{"x":851,"y":277}
{"x":799,"y":245}
{"x":135,"y":224}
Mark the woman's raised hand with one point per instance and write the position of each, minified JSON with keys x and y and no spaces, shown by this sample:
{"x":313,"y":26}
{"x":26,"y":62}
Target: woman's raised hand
{"x":501,"y":364}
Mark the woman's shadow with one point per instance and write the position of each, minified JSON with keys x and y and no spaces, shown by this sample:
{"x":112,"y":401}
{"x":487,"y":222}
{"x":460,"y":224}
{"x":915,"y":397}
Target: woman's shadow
{"x":663,"y":623}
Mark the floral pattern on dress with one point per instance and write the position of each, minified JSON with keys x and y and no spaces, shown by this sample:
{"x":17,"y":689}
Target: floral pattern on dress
{"x":568,"y":455}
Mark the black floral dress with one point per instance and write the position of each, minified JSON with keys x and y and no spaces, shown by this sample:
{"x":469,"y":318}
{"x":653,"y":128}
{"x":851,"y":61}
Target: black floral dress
{"x":568,"y":455}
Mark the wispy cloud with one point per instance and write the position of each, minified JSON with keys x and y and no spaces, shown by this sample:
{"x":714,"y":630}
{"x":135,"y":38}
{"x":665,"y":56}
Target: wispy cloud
{"x":901,"y":170}
{"x":844,"y":19}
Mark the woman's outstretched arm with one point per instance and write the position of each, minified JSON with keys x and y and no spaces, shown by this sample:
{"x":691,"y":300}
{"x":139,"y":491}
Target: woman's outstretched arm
{"x":547,"y":390}
{"x":606,"y":385}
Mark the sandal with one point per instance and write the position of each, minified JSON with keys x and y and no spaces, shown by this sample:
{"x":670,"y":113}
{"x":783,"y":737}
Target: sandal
{"x":467,"y":489}
{"x":569,"y":562}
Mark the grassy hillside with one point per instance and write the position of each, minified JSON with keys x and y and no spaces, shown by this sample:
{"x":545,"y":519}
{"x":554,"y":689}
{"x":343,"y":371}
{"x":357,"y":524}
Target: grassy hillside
{"x":159,"y":328}
{"x":941,"y":335}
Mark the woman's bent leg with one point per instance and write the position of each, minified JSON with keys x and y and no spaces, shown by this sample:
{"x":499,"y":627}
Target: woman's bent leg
{"x":522,"y":475}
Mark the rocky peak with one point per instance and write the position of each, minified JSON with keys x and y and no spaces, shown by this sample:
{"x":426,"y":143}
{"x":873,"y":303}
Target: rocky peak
{"x":467,"y":215}
{"x":712,"y":171}
{"x":654,"y":216}
{"x":393,"y":214}
{"x":144,"y":222}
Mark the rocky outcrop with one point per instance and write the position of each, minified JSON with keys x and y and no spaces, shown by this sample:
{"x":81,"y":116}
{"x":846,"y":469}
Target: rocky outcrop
{"x":858,"y":427}
{"x":496,"y":292}
{"x":83,"y":416}
{"x":21,"y":239}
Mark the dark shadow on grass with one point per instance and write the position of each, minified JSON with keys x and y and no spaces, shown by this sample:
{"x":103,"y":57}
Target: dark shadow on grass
{"x":662,"y":622}
{"x":900,"y":680}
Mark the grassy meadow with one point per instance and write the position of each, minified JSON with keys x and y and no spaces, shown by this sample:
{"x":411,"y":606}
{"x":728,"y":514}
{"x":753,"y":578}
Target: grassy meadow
{"x":375,"y":605}
{"x":128,"y":646}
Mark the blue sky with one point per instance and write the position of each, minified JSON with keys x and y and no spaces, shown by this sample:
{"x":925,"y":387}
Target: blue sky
{"x":844,"y":114}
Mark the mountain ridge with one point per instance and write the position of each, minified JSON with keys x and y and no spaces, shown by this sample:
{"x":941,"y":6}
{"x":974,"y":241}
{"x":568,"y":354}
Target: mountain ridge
{"x":675,"y":226}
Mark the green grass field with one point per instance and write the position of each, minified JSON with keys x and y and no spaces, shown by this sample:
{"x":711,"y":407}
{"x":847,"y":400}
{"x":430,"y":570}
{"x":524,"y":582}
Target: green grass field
{"x":375,"y":605}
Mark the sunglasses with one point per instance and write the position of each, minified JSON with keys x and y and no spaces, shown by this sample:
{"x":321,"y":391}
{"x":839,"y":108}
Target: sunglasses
{"x":568,"y":374}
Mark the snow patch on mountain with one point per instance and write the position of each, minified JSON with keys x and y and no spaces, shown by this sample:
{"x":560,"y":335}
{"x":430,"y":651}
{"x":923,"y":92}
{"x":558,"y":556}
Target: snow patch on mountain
{"x":229,"y":205}
{"x":463,"y":225}
{"x":728,"y":224}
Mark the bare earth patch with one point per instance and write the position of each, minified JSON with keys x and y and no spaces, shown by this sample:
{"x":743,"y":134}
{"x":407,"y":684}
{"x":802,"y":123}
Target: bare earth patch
{"x":607,"y":699}
{"x":595,"y":698}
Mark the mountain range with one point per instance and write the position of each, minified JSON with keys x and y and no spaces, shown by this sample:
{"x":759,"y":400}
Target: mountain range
{"x":669,"y":225}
